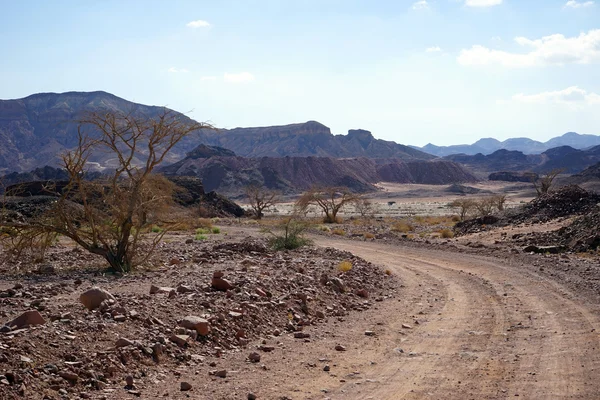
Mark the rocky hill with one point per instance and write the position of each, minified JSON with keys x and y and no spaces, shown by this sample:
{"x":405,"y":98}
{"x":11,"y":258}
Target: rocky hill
{"x":35,"y":130}
{"x":308,"y":139}
{"x":525,"y":145}
{"x":231,"y":174}
{"x":566,"y":158}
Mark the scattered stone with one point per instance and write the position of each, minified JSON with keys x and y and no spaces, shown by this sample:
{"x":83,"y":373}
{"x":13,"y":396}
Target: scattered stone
{"x":184,"y":289}
{"x":69,"y":376}
{"x":200,"y":325}
{"x":339,"y":347}
{"x":406,"y":326}
{"x":326,"y":368}
{"x":301,"y":335}
{"x":251,"y":396}
{"x":369,"y":333}
{"x":185,"y":386}
{"x":221,"y":284}
{"x":94,"y":297}
{"x":28,"y":318}
{"x":123,"y":342}
{"x":129,"y":381}
{"x":180,"y":340}
{"x":222,"y":373}
{"x":254,"y":357}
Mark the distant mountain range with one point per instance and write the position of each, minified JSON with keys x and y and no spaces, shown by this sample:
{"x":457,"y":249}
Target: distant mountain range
{"x":227,"y":173}
{"x":524,"y":145}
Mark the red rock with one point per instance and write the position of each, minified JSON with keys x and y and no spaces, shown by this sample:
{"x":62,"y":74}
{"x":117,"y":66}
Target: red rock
{"x":185,"y":386}
{"x":92,"y":298}
{"x":361,"y":293}
{"x":180,"y":340}
{"x":200,"y":325}
{"x":218,"y":274}
{"x":28,"y":318}
{"x":339,"y":347}
{"x":221,"y":284}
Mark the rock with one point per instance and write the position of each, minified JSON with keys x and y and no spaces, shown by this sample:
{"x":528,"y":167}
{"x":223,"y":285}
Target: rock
{"x":28,"y":318}
{"x":69,"y":376}
{"x":251,"y":396}
{"x":220,"y":373}
{"x":123,"y":342}
{"x":158,"y":289}
{"x":184,"y":289}
{"x":129,"y":381}
{"x":185,"y":386}
{"x":5,"y":329}
{"x":326,"y":368}
{"x":339,"y":347}
{"x":254,"y":357}
{"x":362,"y":293}
{"x":221,"y":284}
{"x":338,"y":284}
{"x":406,"y":326}
{"x":92,"y":298}
{"x":369,"y":333}
{"x":301,"y":335}
{"x":120,"y":318}
{"x":235,"y":314}
{"x":180,"y":340}
{"x":200,"y":325}
{"x":320,"y":314}
{"x":218,"y":274}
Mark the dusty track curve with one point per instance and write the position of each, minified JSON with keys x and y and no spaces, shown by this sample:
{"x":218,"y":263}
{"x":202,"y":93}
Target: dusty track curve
{"x":497,"y":331}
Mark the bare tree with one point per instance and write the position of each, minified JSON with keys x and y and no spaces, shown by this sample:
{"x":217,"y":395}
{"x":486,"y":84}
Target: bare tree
{"x":364,"y":207}
{"x":499,"y":201}
{"x":330,"y":200}
{"x":108,"y":216}
{"x":464,"y":206}
{"x":544,"y":183}
{"x":261,"y":198}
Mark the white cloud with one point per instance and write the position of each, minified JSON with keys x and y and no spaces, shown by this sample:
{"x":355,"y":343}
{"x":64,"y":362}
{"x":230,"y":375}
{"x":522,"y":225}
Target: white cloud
{"x":199,"y":23}
{"x":420,"y":5}
{"x":242,"y":77}
{"x":434,"y":49}
{"x":578,"y":4}
{"x":178,"y":70}
{"x":572,"y":96}
{"x":482,"y":3}
{"x":549,"y":50}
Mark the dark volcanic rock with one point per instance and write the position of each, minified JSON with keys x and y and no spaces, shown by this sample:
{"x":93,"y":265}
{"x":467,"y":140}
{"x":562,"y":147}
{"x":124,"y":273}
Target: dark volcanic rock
{"x":508,"y":176}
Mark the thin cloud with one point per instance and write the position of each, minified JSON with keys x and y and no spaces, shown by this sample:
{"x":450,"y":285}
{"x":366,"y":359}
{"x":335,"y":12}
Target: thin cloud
{"x":420,"y":5}
{"x":434,"y":49}
{"x":208,"y":78}
{"x":199,"y":23}
{"x":572,"y":96}
{"x":178,"y":70}
{"x":482,"y":3}
{"x":578,"y":4}
{"x":241,"y":77}
{"x":549,"y":50}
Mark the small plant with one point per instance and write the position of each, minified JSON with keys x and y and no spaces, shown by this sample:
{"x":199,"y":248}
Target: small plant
{"x":204,"y":223}
{"x":156,"y":229}
{"x":339,"y":232}
{"x":324,"y":228}
{"x":216,"y":230}
{"x":388,"y":272}
{"x":203,"y":231}
{"x":368,"y":235}
{"x":402,"y":227}
{"x":291,"y":238}
{"x":446,"y":233}
{"x":200,"y":236}
{"x":345,"y":266}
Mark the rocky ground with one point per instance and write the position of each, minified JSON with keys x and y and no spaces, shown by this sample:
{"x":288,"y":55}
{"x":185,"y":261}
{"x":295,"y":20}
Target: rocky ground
{"x":215,"y":307}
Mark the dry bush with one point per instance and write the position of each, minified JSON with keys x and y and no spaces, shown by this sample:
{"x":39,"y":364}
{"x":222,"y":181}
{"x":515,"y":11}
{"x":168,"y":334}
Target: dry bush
{"x":464,"y":207}
{"x":108,"y":216}
{"x":368,"y":235}
{"x":338,"y":231}
{"x":261,"y":198}
{"x":204,"y":223}
{"x":446,"y":233}
{"x":344,"y":266}
{"x":402,"y":227}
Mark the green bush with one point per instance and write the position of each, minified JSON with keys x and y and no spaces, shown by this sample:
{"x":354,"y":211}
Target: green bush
{"x":156,"y":229}
{"x":216,"y":230}
{"x":291,"y":237}
{"x":203,"y":231}
{"x":200,"y":236}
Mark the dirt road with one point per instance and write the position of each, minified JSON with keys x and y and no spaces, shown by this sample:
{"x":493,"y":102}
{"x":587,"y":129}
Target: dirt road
{"x":474,"y":328}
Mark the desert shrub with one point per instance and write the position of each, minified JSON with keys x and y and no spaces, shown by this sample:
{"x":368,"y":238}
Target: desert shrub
{"x":204,"y":223}
{"x":324,"y":228}
{"x":200,"y":236}
{"x":330,"y":200}
{"x":446,"y":233}
{"x":202,"y":231}
{"x":216,"y":230}
{"x":344,"y":266}
{"x":402,"y":227}
{"x":388,"y":272}
{"x":156,"y":229}
{"x":339,"y":232}
{"x":291,"y":236}
{"x":368,"y":235}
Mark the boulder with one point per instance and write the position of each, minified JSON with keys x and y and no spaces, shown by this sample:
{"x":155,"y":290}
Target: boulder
{"x":94,"y":297}
{"x":28,"y":318}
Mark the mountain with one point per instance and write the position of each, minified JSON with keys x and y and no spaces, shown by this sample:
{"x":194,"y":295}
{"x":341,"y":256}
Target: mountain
{"x":35,"y":130}
{"x":565,"y":158}
{"x":525,"y":145}
{"x":308,"y":139}
{"x":231,"y":174}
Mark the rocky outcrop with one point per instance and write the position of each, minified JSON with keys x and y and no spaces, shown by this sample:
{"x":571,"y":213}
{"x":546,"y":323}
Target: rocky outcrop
{"x":508,"y":176}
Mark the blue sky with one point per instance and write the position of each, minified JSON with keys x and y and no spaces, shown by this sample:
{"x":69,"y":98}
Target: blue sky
{"x":419,"y":71}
